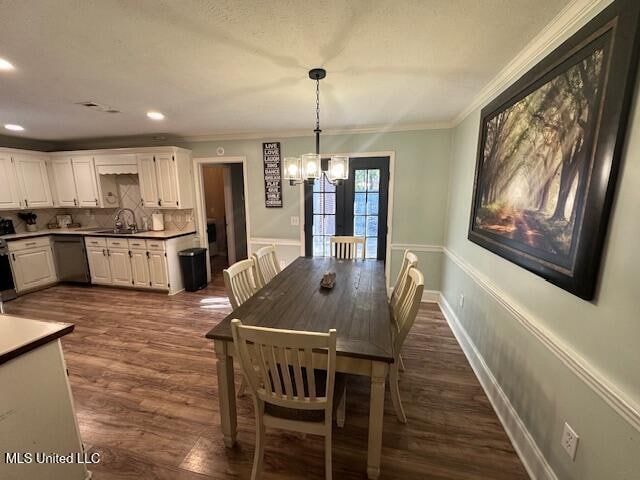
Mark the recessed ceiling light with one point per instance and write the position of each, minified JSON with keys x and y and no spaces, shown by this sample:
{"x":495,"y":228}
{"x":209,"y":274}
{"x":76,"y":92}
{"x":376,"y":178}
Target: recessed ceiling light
{"x":13,"y":127}
{"x":6,"y":65}
{"x":155,"y":115}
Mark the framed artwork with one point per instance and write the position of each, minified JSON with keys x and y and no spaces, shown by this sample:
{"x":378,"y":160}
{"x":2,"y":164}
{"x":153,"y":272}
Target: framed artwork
{"x":549,"y":152}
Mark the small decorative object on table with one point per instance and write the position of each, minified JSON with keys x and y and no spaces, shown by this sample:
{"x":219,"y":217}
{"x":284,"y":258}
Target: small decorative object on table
{"x":30,"y":219}
{"x":328,"y":280}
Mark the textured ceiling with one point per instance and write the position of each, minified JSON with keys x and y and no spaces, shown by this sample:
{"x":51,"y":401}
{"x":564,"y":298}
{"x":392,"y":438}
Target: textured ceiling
{"x":230,"y":66}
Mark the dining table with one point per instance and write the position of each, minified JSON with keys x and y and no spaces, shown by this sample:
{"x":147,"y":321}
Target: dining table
{"x":356,"y":307}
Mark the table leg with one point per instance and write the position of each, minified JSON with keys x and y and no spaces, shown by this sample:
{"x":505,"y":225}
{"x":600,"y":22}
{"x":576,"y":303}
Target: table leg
{"x":226,"y":392}
{"x":376,"y":416}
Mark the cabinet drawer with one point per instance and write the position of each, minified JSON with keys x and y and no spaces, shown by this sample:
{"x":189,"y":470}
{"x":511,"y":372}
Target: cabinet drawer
{"x":17,"y":245}
{"x":95,"y":242}
{"x":117,"y":243}
{"x":137,"y":244}
{"x":155,"y":245}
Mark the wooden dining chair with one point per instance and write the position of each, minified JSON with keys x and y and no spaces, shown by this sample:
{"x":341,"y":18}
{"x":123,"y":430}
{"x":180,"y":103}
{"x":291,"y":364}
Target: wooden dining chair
{"x":283,"y":372}
{"x":408,"y":305}
{"x":267,"y":265}
{"x":239,"y":281}
{"x":409,"y":260}
{"x":346,"y":247}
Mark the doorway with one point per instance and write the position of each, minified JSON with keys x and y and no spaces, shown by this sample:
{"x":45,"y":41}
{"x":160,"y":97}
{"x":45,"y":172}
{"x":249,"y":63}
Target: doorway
{"x":358,"y":206}
{"x":223,"y":215}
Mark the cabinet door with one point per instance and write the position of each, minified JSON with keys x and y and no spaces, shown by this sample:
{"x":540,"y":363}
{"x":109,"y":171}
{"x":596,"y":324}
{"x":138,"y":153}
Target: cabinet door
{"x":140,"y":268}
{"x":158,"y":270}
{"x":167,"y":174}
{"x":33,"y":268}
{"x":147,"y":180}
{"x":65,"y":186}
{"x":9,"y":196}
{"x":33,"y":180}
{"x":120,"y":266}
{"x":99,"y":265}
{"x":84,"y":174}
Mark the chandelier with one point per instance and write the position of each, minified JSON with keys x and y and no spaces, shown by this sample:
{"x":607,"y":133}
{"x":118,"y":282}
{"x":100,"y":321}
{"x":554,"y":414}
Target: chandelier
{"x":308,"y":167}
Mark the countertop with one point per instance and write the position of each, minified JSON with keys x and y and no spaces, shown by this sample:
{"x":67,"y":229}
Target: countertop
{"x":98,"y":232}
{"x":20,"y":335}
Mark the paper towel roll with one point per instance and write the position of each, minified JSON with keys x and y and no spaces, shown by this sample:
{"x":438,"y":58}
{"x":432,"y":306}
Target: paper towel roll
{"x":157,"y":222}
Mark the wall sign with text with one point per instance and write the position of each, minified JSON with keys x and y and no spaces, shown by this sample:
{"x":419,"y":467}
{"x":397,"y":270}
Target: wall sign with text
{"x":272,"y":175}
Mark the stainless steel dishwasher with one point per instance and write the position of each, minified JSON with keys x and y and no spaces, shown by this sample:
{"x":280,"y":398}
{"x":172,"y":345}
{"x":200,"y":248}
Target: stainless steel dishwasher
{"x":71,"y":259}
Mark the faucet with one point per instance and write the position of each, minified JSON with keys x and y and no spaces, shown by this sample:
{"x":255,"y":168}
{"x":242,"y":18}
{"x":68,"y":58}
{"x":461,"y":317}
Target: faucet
{"x":120,"y":225}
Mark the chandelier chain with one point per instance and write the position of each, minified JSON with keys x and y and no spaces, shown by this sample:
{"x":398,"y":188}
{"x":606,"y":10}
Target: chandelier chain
{"x":318,"y":104}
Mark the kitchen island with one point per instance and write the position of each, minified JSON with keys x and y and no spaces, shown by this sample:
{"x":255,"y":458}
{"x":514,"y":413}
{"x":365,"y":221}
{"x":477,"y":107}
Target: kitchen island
{"x":39,"y":436}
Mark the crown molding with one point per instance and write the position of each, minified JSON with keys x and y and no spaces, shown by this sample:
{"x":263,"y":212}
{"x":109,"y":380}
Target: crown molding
{"x":567,"y":22}
{"x":307,"y":132}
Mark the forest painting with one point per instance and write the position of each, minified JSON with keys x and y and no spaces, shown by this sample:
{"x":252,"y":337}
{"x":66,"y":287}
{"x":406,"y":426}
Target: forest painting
{"x":535,"y":163}
{"x":549,"y":153}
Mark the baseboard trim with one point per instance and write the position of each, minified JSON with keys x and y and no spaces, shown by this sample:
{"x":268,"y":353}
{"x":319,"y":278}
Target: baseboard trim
{"x":594,"y":379}
{"x":522,"y":441}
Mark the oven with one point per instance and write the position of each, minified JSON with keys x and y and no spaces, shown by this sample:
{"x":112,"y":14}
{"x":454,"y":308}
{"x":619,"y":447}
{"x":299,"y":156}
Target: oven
{"x":7,"y":287}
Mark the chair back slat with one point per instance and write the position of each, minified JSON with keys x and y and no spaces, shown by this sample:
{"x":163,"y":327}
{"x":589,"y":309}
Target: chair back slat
{"x":408,"y":306}
{"x":346,"y":247}
{"x":267,"y":265}
{"x":239,"y":282}
{"x":409,"y":260}
{"x":282,"y":359}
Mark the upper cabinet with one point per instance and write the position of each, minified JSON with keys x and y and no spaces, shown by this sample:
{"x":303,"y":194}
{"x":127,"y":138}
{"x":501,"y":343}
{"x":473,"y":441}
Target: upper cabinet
{"x":9,"y":195}
{"x":75,"y":182}
{"x":33,"y":180}
{"x":166,"y":179}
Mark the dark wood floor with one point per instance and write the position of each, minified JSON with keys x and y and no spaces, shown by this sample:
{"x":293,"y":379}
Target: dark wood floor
{"x":144,"y":384}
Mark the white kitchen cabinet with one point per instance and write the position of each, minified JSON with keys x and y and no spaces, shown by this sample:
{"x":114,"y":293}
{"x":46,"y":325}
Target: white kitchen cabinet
{"x":158,"y":270}
{"x":99,"y":265}
{"x":140,"y":268}
{"x":65,"y":185}
{"x":9,"y":194}
{"x":166,"y":179}
{"x":32,"y":263}
{"x":33,"y":180}
{"x":75,"y":182}
{"x":147,"y":180}
{"x":120,"y":266}
{"x":84,"y":175}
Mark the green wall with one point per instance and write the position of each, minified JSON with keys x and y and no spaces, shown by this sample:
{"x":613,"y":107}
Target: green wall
{"x":420,"y":193}
{"x":603,"y":334}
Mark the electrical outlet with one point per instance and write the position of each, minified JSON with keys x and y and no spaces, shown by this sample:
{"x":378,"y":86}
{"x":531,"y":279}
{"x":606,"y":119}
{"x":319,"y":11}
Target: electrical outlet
{"x":461,"y":301}
{"x":569,"y":441}
{"x":282,"y":264}
{"x":295,"y":221}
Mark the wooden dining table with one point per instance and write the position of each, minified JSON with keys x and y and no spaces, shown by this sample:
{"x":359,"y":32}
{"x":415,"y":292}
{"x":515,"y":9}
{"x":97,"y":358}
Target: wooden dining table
{"x":356,"y":307}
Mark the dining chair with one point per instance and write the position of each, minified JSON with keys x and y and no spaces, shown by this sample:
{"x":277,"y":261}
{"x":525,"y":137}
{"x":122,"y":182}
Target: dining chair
{"x":408,"y":305}
{"x":239,"y":281}
{"x":292,"y":387}
{"x":346,"y":248}
{"x":267,"y":265}
{"x":409,"y":260}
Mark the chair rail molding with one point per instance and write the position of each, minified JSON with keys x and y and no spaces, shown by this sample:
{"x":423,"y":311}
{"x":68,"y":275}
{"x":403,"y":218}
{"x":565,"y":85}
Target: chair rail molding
{"x":525,"y":446}
{"x":417,"y":247}
{"x":589,"y":374}
{"x":289,"y":242}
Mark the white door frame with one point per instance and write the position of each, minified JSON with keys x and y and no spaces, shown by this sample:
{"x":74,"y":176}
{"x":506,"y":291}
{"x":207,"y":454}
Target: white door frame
{"x":201,"y":212}
{"x":392,"y":178}
{"x":230,"y":221}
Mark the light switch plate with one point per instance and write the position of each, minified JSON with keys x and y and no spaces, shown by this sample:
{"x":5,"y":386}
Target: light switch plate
{"x":295,"y":221}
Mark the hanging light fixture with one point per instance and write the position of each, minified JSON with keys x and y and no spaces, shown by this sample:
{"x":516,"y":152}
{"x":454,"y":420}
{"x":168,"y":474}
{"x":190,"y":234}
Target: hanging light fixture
{"x":309,"y":167}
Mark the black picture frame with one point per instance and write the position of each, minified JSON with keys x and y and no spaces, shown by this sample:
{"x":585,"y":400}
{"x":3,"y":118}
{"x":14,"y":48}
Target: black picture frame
{"x":615,"y":33}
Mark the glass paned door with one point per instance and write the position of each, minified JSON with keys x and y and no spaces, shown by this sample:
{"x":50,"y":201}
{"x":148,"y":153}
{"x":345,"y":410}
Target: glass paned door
{"x":357,"y":206}
{"x":324,"y":216}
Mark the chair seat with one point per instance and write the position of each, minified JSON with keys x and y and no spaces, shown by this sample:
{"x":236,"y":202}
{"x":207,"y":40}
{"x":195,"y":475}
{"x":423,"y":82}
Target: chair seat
{"x":310,"y":415}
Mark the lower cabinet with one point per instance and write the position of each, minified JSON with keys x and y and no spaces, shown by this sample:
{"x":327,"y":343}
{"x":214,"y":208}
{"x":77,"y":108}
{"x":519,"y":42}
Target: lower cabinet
{"x":128,"y":262}
{"x":32,"y":263}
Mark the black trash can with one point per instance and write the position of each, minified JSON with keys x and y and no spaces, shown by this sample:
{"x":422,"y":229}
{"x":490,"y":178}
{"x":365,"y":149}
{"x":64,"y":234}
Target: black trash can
{"x":194,"y":268}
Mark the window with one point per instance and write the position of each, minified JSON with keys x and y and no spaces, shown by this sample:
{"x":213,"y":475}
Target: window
{"x":324,"y":216}
{"x":366,"y":201}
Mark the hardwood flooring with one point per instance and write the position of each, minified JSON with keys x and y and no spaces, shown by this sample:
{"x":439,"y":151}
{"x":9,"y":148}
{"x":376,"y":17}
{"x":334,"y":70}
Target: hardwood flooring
{"x":144,"y":382}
